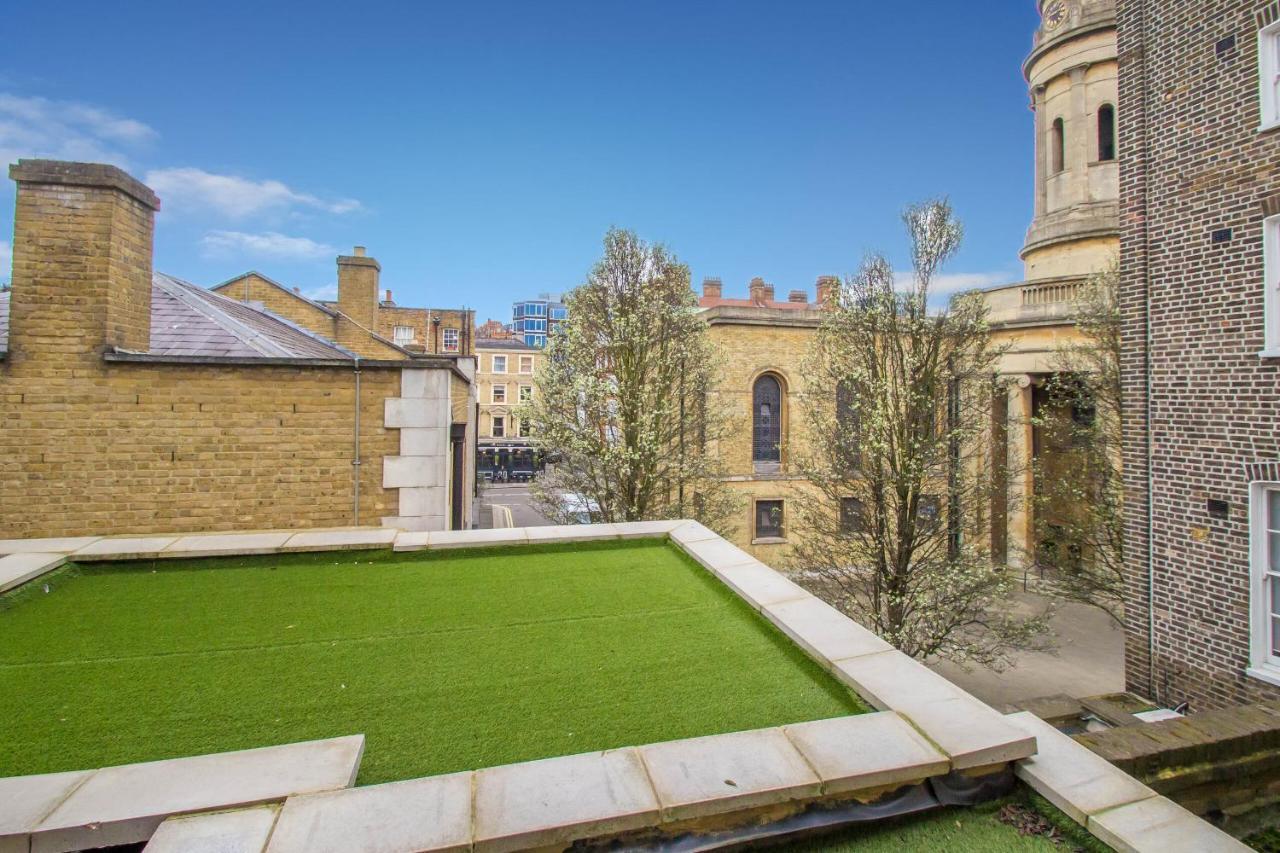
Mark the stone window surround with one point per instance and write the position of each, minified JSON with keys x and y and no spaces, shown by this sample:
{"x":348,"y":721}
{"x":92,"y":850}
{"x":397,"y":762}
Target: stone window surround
{"x":1271,"y":282}
{"x":498,"y":426}
{"x":526,"y":359}
{"x":450,"y":337}
{"x":769,"y":538}
{"x":498,"y":393}
{"x":525,"y":394}
{"x":494,"y":361}
{"x":926,"y":727}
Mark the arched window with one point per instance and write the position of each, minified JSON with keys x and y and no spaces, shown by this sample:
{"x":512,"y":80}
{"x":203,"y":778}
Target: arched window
{"x":1106,"y":133}
{"x":848,"y":425}
{"x":1057,"y":147}
{"x":766,"y":420}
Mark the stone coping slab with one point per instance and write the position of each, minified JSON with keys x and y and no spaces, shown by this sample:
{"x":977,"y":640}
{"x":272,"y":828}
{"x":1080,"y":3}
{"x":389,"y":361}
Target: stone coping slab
{"x":25,"y":800}
{"x":228,"y":544}
{"x":52,"y":545}
{"x":715,"y":555}
{"x":760,"y":586}
{"x":125,"y":804}
{"x":17,"y":569}
{"x":556,"y":801}
{"x":351,"y":539}
{"x":461,"y":538}
{"x":822,"y":631}
{"x":124,"y":547}
{"x":239,"y":831}
{"x":417,"y":815}
{"x":971,"y":733}
{"x":1071,"y":776}
{"x":1159,"y":825}
{"x":705,"y":776}
{"x":866,"y":751}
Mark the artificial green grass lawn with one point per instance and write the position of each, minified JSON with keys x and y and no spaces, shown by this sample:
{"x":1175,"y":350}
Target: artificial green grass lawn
{"x":445,"y":661}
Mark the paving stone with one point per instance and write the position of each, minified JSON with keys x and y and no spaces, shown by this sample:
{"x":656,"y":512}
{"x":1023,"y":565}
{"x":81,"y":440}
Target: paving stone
{"x":760,"y":585}
{"x":866,"y":751}
{"x":239,"y":831}
{"x":399,"y":817}
{"x":27,"y":800}
{"x":124,"y":548}
{"x":1071,"y":776}
{"x":461,"y":538}
{"x":17,"y":569}
{"x":341,"y":540}
{"x":689,"y":532}
{"x":228,"y":544}
{"x":125,"y":804}
{"x":559,"y":800}
{"x":56,"y":545}
{"x":1159,"y":825}
{"x":822,"y":631}
{"x":713,"y":775}
{"x":969,"y":732}
{"x":716,"y":554}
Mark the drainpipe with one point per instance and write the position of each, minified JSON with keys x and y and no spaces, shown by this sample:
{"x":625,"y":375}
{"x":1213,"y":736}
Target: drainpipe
{"x":355,"y":461}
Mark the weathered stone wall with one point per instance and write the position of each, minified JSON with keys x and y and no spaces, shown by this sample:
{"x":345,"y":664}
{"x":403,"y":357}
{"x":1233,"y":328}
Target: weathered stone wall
{"x":251,"y":287}
{"x":1193,"y":163}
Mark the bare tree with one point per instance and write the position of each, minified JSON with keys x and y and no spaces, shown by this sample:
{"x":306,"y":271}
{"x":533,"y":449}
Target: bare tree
{"x":621,"y":400}
{"x":898,"y":401}
{"x":1079,"y":495}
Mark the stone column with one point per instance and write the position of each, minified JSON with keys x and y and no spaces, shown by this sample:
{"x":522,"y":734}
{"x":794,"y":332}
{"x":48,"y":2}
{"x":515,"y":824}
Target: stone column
{"x":1019,"y":433}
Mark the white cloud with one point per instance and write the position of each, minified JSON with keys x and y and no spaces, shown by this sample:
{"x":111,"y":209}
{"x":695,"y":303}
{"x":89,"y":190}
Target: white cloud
{"x":6,"y":261}
{"x":235,"y":196}
{"x":266,"y":245}
{"x":66,"y":130}
{"x":945,"y":284}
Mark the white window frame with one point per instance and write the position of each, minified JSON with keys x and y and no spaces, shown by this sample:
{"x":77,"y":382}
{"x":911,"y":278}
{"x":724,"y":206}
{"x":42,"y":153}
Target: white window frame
{"x":1263,"y":665}
{"x":526,"y":359}
{"x":1269,"y":75}
{"x":448,"y":346}
{"x":524,"y":394}
{"x":495,"y":360}
{"x":496,"y":431}
{"x":493,"y":393}
{"x":401,"y":339}
{"x":1271,"y":286}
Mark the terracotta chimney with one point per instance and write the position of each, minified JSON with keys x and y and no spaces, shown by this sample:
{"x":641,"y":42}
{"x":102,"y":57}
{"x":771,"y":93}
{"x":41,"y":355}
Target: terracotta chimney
{"x":828,"y":287}
{"x":798,"y":296}
{"x":358,"y":287}
{"x":712,"y":287}
{"x":389,"y":299}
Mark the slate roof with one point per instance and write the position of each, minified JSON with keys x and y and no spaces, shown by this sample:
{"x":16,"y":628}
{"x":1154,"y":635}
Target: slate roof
{"x":504,"y":343}
{"x":187,"y":320}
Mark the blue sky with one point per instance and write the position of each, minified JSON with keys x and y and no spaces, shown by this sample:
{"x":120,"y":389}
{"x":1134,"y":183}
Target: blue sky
{"x":480,"y":150}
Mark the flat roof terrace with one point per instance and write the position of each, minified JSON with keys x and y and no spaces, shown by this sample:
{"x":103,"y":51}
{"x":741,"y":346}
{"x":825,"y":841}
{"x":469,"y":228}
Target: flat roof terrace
{"x":445,"y":660}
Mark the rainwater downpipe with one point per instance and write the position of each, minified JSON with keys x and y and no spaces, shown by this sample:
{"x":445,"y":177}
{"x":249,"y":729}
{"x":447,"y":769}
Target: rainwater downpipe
{"x":355,"y":457}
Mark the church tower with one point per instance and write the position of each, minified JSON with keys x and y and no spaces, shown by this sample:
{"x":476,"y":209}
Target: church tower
{"x":1072,"y":75}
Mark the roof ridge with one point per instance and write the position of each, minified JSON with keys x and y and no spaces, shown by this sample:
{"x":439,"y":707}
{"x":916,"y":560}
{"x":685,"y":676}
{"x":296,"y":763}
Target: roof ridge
{"x":271,"y":281}
{"x":185,"y":292}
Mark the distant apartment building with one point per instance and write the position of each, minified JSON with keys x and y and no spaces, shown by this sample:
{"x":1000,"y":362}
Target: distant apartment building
{"x":135,"y":402}
{"x":504,"y":381}
{"x":1200,"y":298}
{"x":493,"y":330}
{"x":532,"y":320}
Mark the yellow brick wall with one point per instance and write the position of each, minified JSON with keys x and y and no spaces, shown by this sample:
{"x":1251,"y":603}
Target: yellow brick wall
{"x":253,"y":288}
{"x":151,"y":448}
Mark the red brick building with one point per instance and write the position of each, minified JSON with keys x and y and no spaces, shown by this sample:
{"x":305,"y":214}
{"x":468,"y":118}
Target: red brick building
{"x":1200,"y":260}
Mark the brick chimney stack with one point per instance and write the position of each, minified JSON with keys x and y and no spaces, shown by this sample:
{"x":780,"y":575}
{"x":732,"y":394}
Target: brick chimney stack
{"x":761,"y":293}
{"x":798,"y":296}
{"x":389,"y":299}
{"x":712,"y":287}
{"x":828,"y":287}
{"x":358,"y":287}
{"x":82,"y":244}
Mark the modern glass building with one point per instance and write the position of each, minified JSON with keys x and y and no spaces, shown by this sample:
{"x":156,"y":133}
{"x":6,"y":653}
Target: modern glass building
{"x":533,"y":319}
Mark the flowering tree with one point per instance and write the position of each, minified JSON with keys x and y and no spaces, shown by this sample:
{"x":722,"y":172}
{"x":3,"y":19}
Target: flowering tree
{"x":898,"y":400}
{"x":1079,"y":496}
{"x":621,"y":405}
